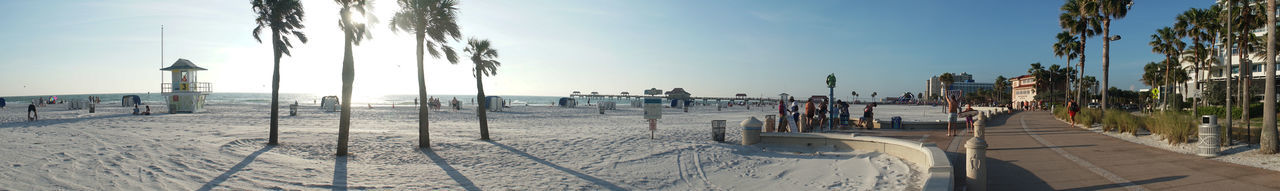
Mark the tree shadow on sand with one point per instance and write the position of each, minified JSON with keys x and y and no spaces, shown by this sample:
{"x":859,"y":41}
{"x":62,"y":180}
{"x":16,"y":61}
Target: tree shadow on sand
{"x":237,"y":168}
{"x":340,"y":172}
{"x":448,"y":169}
{"x":590,"y":178}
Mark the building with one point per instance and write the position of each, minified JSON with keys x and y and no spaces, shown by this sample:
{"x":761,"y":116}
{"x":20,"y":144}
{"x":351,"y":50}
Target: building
{"x":185,"y":94}
{"x":1024,"y":90}
{"x":934,"y":88}
{"x":1197,"y":79}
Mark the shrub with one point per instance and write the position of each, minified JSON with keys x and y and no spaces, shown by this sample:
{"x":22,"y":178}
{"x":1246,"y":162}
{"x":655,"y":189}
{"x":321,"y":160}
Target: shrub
{"x":1174,"y":127}
{"x":1088,"y":117}
{"x":1122,"y":121}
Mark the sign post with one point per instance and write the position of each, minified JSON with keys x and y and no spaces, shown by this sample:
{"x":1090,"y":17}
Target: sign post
{"x":831,"y":95}
{"x":652,"y":109}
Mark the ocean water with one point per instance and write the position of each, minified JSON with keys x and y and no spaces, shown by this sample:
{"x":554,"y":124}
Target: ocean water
{"x":285,"y":98}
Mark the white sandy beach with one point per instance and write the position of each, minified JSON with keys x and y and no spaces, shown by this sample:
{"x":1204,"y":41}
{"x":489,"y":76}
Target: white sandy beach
{"x":534,"y":148}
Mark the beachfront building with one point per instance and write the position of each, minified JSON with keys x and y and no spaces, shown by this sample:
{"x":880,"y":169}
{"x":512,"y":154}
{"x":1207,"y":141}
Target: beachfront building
{"x":185,"y":94}
{"x":1024,"y":90}
{"x":934,"y":88}
{"x":1197,"y":80}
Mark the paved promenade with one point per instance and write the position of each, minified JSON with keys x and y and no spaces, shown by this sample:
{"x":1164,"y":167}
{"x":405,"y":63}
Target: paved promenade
{"x":1032,"y":151}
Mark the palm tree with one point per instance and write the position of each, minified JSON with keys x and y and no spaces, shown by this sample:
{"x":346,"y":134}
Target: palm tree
{"x":1268,"y":137}
{"x":283,"y":18}
{"x":1166,"y":42}
{"x":855,"y":95}
{"x":483,"y":56}
{"x":1001,"y":86}
{"x":1109,"y":9}
{"x":1194,"y":23}
{"x":353,"y":32}
{"x":1080,"y":18}
{"x":873,"y":97}
{"x":1067,"y":46}
{"x":434,"y":19}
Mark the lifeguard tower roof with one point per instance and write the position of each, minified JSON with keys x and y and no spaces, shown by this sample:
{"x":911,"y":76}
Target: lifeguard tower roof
{"x":182,"y":64}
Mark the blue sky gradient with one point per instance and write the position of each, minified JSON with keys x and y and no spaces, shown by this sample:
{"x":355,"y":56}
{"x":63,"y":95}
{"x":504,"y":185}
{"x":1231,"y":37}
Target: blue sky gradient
{"x":550,"y":48}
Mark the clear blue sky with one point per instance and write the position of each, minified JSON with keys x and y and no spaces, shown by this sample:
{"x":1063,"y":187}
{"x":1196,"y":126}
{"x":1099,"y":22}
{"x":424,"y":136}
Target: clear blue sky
{"x":710,"y":48}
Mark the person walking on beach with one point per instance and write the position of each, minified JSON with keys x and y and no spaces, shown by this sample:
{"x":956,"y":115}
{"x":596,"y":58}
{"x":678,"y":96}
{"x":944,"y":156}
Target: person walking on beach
{"x":782,"y":115}
{"x":822,"y":115}
{"x":868,"y":115}
{"x":951,"y":113}
{"x":32,"y":115}
{"x":844,"y":113}
{"x":808,"y":116}
{"x":795,"y":115}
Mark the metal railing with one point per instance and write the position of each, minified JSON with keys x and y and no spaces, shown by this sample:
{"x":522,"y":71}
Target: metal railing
{"x":201,"y":87}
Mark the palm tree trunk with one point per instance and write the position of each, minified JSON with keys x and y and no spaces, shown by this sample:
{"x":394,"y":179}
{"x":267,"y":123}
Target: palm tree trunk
{"x":1106,"y":62}
{"x":1080,"y":86}
{"x":1245,"y":77}
{"x":348,"y":75}
{"x":480,"y":109}
{"x":1226,"y":72}
{"x":1164,"y":92}
{"x":1268,"y":137}
{"x":424,"y":138}
{"x":274,"y":138}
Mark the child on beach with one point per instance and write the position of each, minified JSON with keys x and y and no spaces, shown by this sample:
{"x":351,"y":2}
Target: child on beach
{"x":822,"y":115}
{"x":968,"y":120}
{"x":868,"y":115}
{"x":32,"y":115}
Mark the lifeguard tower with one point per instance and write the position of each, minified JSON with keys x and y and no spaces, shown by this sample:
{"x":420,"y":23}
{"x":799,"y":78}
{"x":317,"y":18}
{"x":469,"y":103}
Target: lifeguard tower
{"x":186,"y":93}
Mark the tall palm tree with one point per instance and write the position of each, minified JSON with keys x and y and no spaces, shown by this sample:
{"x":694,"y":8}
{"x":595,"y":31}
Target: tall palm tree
{"x":1166,"y":41}
{"x":1246,"y":18}
{"x":1194,"y":24}
{"x":283,"y":18}
{"x":1001,"y":86}
{"x":484,"y":57}
{"x":1268,"y":137}
{"x":1109,"y":9}
{"x":1067,"y":46}
{"x":1080,"y":17}
{"x":353,"y":32}
{"x":428,"y":18}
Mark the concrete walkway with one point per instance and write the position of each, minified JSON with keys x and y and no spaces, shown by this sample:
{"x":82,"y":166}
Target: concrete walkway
{"x":1032,"y":151}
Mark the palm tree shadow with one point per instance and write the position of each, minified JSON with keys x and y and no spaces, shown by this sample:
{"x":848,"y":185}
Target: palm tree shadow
{"x":590,"y":178}
{"x":340,"y":173}
{"x":453,"y":173}
{"x":239,"y":166}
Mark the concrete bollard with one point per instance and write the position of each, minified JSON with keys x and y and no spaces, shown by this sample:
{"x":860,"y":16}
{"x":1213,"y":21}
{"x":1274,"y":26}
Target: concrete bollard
{"x":751,"y":130}
{"x":976,"y":164}
{"x":979,"y":129}
{"x":770,"y":123}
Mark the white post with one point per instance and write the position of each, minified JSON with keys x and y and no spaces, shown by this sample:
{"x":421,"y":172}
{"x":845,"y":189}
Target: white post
{"x":976,"y":159}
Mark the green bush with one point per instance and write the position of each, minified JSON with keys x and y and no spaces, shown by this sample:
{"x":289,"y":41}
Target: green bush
{"x":1173,"y":126}
{"x":1088,"y":117}
{"x":1122,"y":121}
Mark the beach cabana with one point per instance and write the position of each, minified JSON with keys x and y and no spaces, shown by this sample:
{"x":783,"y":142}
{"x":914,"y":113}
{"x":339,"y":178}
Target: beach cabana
{"x":568,"y":102}
{"x":329,"y":103}
{"x":489,"y":103}
{"x":185,"y":93}
{"x":130,"y":101}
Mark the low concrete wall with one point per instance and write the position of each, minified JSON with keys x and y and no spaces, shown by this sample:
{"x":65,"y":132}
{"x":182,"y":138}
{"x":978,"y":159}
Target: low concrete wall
{"x":931,"y":160}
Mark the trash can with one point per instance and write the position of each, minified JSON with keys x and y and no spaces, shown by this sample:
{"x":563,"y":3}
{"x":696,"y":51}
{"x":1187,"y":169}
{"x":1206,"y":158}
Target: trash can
{"x":1208,"y":145}
{"x":896,"y":122}
{"x":717,"y":130}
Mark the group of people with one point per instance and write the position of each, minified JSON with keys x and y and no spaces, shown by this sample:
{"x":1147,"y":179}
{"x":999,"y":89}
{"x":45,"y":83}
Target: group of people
{"x":136,"y":112}
{"x":814,"y":115}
